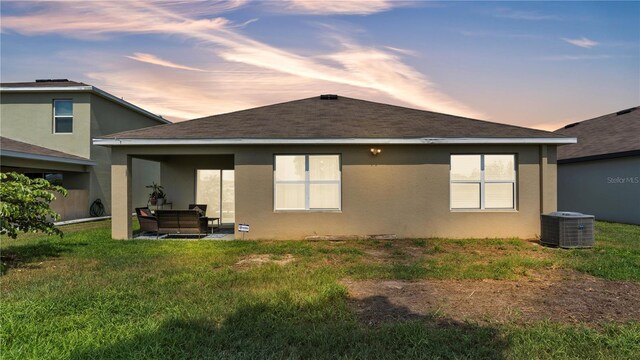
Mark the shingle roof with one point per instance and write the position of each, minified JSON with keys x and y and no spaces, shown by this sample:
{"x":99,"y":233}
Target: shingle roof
{"x":14,"y":146}
{"x":314,"y":118}
{"x":43,"y":83}
{"x":605,"y":135}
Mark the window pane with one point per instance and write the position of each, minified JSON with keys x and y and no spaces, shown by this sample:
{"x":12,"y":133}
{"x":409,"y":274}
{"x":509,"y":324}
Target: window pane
{"x":324,"y":196}
{"x":465,"y":167}
{"x":465,"y":196}
{"x":208,"y":191}
{"x":63,"y":108}
{"x":290,"y":168}
{"x":228,"y":197}
{"x":324,"y":167}
{"x":289,"y":196}
{"x":498,"y":196}
{"x":499,"y":167}
{"x":64,"y":124}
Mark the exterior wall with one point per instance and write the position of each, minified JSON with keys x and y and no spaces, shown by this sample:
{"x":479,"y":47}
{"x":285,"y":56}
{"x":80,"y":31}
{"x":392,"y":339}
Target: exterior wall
{"x":403,"y":191}
{"x":143,"y":172}
{"x":72,"y":206}
{"x":608,"y":189}
{"x":108,"y":117}
{"x":28,"y":117}
{"x":178,"y":176}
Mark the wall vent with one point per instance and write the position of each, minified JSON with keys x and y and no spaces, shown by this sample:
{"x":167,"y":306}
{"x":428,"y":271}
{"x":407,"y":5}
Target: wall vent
{"x":622,"y":112}
{"x":329,"y":97}
{"x":51,"y":80}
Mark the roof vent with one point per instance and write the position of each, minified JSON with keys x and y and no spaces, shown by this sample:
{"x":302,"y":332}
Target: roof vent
{"x":571,"y":125}
{"x":328,"y":97}
{"x":622,"y":112}
{"x":51,"y":80}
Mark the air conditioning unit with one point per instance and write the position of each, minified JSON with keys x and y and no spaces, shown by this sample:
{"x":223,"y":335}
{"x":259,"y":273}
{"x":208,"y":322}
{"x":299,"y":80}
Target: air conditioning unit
{"x":567,"y":229}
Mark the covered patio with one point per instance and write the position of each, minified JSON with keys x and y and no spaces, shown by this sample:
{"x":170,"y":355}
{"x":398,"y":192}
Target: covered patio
{"x":187,"y":179}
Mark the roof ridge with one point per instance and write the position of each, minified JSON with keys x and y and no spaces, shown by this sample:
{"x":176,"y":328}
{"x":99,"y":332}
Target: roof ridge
{"x":615,"y":113}
{"x":450,"y":115}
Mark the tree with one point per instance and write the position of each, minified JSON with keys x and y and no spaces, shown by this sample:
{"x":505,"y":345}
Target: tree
{"x":24,"y":205}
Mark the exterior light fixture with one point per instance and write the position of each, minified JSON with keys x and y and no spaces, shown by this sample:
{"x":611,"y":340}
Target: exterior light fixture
{"x":375,"y":151}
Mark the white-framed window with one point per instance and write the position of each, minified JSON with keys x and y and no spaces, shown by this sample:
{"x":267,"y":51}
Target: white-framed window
{"x":62,"y":116}
{"x":307,"y":182}
{"x":483,"y":182}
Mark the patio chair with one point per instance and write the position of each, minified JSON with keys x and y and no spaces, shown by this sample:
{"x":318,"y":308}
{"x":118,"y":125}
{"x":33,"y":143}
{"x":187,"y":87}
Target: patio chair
{"x":200,"y":207}
{"x":148,"y":222}
{"x":212,"y":220}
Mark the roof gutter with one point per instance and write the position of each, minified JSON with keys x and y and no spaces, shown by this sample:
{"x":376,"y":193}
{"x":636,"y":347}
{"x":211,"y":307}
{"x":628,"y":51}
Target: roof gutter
{"x":347,"y":141}
{"x":22,"y":155}
{"x":91,"y":89}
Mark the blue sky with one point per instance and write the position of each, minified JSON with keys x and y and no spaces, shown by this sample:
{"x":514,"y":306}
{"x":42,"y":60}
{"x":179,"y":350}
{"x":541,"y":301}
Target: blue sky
{"x":538,"y":64}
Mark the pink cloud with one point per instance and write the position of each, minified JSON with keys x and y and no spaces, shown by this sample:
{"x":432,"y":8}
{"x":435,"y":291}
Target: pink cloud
{"x":379,"y":72}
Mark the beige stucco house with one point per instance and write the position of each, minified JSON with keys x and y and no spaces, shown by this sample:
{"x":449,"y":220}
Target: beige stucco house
{"x":46,"y":131}
{"x":337,"y":166}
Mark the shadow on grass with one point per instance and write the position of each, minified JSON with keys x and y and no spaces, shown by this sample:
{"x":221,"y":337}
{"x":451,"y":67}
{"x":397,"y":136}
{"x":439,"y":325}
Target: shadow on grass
{"x":20,"y":255}
{"x":322,"y":330}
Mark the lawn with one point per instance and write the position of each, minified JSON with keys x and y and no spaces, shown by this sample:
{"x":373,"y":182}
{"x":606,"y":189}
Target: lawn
{"x":87,"y":296}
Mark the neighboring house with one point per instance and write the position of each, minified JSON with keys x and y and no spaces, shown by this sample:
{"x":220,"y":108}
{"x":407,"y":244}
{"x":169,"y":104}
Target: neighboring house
{"x":333,"y":165}
{"x":46,"y":131}
{"x":600,"y":175}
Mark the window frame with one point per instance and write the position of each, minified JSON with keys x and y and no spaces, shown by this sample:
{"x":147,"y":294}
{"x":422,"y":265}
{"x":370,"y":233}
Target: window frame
{"x":307,"y":182}
{"x":482,"y":182}
{"x":55,"y":117}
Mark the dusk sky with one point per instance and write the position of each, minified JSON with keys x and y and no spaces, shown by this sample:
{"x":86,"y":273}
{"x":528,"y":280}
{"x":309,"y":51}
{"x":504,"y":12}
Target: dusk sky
{"x":536,"y":64}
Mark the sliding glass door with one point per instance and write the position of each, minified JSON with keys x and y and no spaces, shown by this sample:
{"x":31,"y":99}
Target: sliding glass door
{"x":216,"y":189}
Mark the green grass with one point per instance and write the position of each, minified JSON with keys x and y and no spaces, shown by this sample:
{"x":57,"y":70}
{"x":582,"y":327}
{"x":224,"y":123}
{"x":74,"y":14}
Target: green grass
{"x":87,"y":296}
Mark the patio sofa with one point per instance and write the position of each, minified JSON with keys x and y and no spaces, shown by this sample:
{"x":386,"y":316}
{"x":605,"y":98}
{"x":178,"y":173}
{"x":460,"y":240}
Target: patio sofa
{"x":173,"y":222}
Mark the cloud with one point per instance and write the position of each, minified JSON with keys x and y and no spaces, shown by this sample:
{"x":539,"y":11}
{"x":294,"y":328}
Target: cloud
{"x":582,"y":42}
{"x":152,"y":59}
{"x":376,"y":72}
{"x":506,"y":13}
{"x":342,"y":7}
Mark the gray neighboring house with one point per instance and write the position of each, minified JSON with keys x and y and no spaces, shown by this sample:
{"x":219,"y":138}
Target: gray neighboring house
{"x":46,"y":131}
{"x":600,"y":175}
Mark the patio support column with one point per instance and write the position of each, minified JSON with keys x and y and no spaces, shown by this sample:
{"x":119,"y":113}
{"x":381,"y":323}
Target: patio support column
{"x":121,"y":208}
{"x":548,"y":179}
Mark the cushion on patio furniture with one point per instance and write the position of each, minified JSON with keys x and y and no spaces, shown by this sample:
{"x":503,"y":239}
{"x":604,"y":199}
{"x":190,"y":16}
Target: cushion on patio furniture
{"x":181,"y":222}
{"x":199,"y":207}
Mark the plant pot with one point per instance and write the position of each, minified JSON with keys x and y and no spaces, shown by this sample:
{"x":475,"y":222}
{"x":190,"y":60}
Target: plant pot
{"x":152,"y":201}
{"x":160,"y":202}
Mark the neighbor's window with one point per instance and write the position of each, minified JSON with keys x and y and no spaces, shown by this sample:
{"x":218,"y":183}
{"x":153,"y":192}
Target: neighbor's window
{"x":62,"y":116}
{"x":307,"y":182}
{"x":483,"y":181}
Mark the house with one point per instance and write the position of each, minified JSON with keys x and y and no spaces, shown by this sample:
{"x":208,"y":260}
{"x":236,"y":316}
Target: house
{"x":47,"y":127}
{"x":600,"y":175}
{"x":332,"y":165}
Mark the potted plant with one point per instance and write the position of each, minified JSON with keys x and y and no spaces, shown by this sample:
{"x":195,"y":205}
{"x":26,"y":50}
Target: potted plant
{"x":157,"y":195}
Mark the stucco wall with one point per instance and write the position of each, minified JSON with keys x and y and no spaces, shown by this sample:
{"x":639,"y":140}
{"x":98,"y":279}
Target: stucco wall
{"x":403,"y":191}
{"x":28,"y":117}
{"x":178,"y":175}
{"x":108,"y":117}
{"x":608,"y":189}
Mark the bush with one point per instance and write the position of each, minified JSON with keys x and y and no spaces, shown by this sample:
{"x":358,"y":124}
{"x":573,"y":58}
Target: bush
{"x":24,"y":205}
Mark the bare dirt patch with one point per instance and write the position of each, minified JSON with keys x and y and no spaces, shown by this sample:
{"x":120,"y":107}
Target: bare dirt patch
{"x":261,"y":259}
{"x":567,"y":297}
